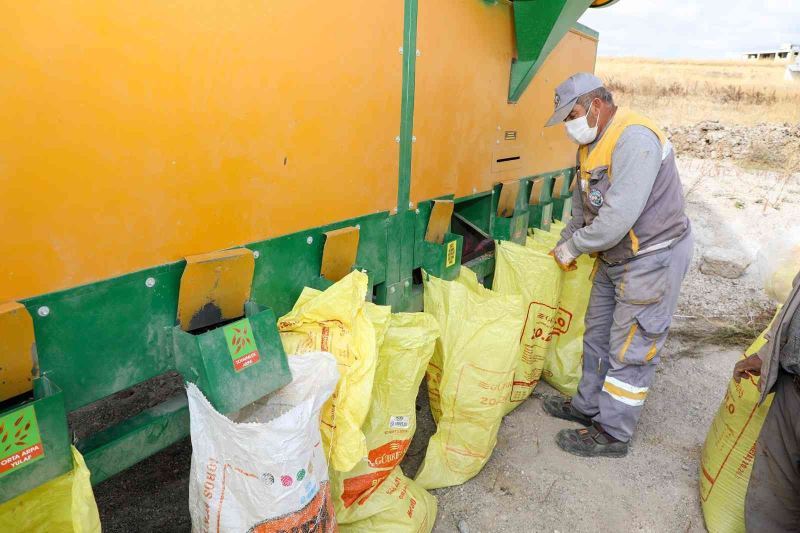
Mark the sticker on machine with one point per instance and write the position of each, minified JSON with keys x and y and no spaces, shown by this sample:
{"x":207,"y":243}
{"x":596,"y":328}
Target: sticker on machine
{"x":241,"y":344}
{"x":399,"y":422}
{"x":452,"y":249}
{"x":20,"y":442}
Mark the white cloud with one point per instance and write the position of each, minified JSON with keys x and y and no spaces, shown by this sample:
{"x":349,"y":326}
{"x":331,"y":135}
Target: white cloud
{"x":707,"y":29}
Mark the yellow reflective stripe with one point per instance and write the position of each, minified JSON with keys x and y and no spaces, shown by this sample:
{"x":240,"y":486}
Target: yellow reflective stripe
{"x":652,"y":353}
{"x":634,"y":242}
{"x":628,"y":342}
{"x":617,"y":391}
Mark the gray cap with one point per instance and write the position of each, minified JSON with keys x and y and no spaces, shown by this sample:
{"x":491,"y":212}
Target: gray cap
{"x":569,"y":91}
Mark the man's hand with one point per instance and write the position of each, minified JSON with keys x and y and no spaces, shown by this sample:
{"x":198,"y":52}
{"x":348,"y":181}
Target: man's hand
{"x":564,"y":258}
{"x":749,"y":366}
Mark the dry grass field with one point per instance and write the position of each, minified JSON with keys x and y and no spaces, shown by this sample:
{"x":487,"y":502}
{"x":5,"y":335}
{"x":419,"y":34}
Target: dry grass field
{"x":682,"y":92}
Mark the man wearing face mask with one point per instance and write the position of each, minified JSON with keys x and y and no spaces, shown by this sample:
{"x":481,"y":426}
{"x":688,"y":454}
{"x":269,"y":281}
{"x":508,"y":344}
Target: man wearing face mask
{"x":628,"y":210}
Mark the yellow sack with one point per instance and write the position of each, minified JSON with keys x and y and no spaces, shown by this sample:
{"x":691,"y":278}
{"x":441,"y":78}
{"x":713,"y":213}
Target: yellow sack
{"x":339,"y":321}
{"x":729,"y":450}
{"x":556,"y":226}
{"x":399,"y":505}
{"x":563,"y":365}
{"x":389,"y":427}
{"x":520,"y":270}
{"x":470,"y":375}
{"x":546,"y":239}
{"x":62,"y":505}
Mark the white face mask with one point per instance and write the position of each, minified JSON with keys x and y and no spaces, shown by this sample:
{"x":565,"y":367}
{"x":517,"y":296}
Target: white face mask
{"x":579,"y":131}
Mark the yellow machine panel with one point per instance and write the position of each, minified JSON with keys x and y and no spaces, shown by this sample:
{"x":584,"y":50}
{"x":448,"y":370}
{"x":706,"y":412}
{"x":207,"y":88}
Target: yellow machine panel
{"x":215,"y":287}
{"x":17,"y":354}
{"x":468,"y":136}
{"x":136,"y":133}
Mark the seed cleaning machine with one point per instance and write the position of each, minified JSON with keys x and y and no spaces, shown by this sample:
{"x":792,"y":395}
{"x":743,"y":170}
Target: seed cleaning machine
{"x":170,"y":167}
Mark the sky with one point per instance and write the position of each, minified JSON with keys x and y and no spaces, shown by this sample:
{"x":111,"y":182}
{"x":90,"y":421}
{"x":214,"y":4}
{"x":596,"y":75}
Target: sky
{"x":697,"y":29}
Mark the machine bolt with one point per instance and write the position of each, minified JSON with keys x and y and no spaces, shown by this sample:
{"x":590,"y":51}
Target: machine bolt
{"x":397,"y":139}
{"x":43,"y":311}
{"x":498,"y":141}
{"x":363,"y":270}
{"x":391,"y":290}
{"x":358,"y":226}
{"x":411,"y":205}
{"x":150,"y":283}
{"x":309,"y":239}
{"x":400,"y":50}
{"x":413,"y":138}
{"x":416,"y":211}
{"x":256,"y":254}
{"x":406,"y":283}
{"x":419,"y":53}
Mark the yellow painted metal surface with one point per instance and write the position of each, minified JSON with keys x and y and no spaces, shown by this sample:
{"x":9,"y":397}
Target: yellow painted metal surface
{"x":462,"y":119}
{"x":16,"y":350}
{"x":509,"y":191}
{"x":215,"y":287}
{"x":136,"y":133}
{"x":439,"y":221}
{"x":339,"y":253}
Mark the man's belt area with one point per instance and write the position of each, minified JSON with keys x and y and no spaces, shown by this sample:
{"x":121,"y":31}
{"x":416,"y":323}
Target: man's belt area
{"x":652,"y":248}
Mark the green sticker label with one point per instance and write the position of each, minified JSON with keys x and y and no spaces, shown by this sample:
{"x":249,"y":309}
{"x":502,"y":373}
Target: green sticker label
{"x":241,"y":344}
{"x":20,"y":442}
{"x":452,"y":249}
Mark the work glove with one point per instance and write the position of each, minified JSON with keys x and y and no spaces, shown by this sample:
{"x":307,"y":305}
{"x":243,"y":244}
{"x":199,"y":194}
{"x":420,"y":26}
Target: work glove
{"x":564,"y":258}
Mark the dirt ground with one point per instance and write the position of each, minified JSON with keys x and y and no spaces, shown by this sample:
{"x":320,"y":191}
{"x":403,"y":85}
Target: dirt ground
{"x":529,"y":484}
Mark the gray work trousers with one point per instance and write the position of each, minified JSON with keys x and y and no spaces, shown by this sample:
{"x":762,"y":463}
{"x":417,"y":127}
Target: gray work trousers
{"x":630,"y":311}
{"x":773,"y":494}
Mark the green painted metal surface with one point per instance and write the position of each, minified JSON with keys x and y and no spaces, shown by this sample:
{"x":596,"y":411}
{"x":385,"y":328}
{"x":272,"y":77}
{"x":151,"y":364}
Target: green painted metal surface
{"x":35,"y":460}
{"x":277,"y":287}
{"x":539,"y":26}
{"x":558,"y":204}
{"x":137,"y":438}
{"x":236,"y":364}
{"x":443,"y":260}
{"x":477,"y":209}
{"x":407,"y":102}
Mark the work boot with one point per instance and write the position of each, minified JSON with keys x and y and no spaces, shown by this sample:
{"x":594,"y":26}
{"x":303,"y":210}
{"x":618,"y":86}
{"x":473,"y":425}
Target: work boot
{"x":561,"y":407}
{"x":591,"y":442}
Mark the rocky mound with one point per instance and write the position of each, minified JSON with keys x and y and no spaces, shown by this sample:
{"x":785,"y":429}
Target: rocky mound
{"x":773,"y":145}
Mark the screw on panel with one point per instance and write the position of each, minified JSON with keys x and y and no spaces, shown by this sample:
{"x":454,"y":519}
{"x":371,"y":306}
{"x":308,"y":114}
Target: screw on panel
{"x":309,"y":239}
{"x":406,"y":283}
{"x":43,"y":311}
{"x":416,"y":211}
{"x":363,"y":270}
{"x":413,"y":138}
{"x":411,"y":205}
{"x":474,"y":190}
{"x":358,"y":226}
{"x":150,"y":283}
{"x":397,"y":139}
{"x":498,"y":141}
{"x":419,"y":53}
{"x":400,"y":49}
{"x":391,"y":290}
{"x":256,"y":254}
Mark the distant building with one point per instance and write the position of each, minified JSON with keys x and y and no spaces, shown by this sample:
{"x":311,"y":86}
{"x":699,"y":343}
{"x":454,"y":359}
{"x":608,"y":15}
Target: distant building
{"x":785,"y":53}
